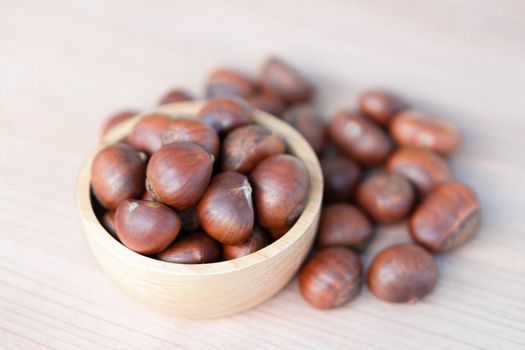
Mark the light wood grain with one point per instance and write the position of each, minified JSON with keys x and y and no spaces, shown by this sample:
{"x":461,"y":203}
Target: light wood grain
{"x":64,"y":65}
{"x":205,"y":290}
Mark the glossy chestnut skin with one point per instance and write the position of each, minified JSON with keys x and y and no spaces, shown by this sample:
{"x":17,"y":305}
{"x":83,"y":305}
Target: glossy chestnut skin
{"x":108,"y":221}
{"x":305,"y":120}
{"x":402,"y":273}
{"x":386,"y":197}
{"x":226,"y":209}
{"x":345,"y":225}
{"x":331,"y":278}
{"x":245,"y":147}
{"x":281,"y":187}
{"x":447,"y":218}
{"x":228,"y":82}
{"x":267,"y":102}
{"x":414,"y":129}
{"x":117,"y":118}
{"x":279,"y":78}
{"x":192,"y":248}
{"x":179,"y":173}
{"x":341,"y":176}
{"x":147,"y":133}
{"x":278,"y":232}
{"x":226,"y":113}
{"x":380,"y":105}
{"x":425,"y":169}
{"x":192,"y":130}
{"x":118,"y":173}
{"x":146,"y":227}
{"x":257,"y":240}
{"x":360,"y":138}
{"x":175,"y":95}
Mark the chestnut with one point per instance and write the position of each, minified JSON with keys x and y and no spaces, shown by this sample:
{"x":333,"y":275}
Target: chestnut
{"x":386,"y":197}
{"x":192,"y":130}
{"x":118,"y":173}
{"x":330,"y":278}
{"x":447,"y":218}
{"x":267,"y":102}
{"x":423,"y":168}
{"x":402,"y":273}
{"x":341,"y":176}
{"x":279,"y":78}
{"x":257,"y":240}
{"x":281,"y":187}
{"x":192,"y":248}
{"x":175,"y":95}
{"x":414,"y":129}
{"x":189,"y":219}
{"x":179,"y":173}
{"x":245,"y":147}
{"x":146,"y":227}
{"x":117,"y":118}
{"x":305,"y":120}
{"x":226,"y":113}
{"x":228,"y":82}
{"x":344,"y":224}
{"x":147,"y":133}
{"x":108,"y":221}
{"x":380,"y":105}
{"x":360,"y":138}
{"x":226,"y":209}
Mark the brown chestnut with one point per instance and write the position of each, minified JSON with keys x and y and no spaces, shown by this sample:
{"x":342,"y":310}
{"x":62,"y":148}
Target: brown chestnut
{"x":257,"y":240}
{"x":192,"y":248}
{"x":226,"y":113}
{"x":448,"y":217}
{"x":147,"y":133}
{"x":108,"y":221}
{"x":331,"y":278}
{"x":226,"y":209}
{"x":279,"y":78}
{"x":360,"y":138}
{"x":344,"y":224}
{"x":340,"y":175}
{"x":304,"y":118}
{"x":245,"y":147}
{"x":267,"y":102}
{"x":281,"y":187}
{"x":228,"y":82}
{"x":117,"y":118}
{"x":175,"y":95}
{"x":402,"y":273}
{"x":386,"y":197}
{"x":146,"y":227}
{"x":414,"y":129}
{"x":179,"y":173}
{"x":423,"y":168}
{"x":192,"y":130}
{"x":118,"y":173}
{"x":380,"y":105}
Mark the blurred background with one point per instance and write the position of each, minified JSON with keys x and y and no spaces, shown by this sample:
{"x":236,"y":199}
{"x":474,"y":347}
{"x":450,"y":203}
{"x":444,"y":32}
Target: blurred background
{"x":66,"y":65}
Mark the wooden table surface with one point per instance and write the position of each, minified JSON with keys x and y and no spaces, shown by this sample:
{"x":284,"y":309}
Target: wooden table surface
{"x":65,"y":65}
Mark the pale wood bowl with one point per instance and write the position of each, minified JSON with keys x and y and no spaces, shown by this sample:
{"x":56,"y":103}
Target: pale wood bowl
{"x":206,"y":290}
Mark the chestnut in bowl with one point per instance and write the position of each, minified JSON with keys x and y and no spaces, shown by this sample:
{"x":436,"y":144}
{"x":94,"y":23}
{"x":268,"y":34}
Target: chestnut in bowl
{"x":212,"y":289}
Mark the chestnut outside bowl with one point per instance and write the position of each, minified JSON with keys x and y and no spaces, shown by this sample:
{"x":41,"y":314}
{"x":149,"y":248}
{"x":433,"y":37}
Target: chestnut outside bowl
{"x":205,"y":290}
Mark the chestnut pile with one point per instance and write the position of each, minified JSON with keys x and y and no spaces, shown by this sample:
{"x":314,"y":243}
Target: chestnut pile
{"x":199,"y":190}
{"x":383,"y":162}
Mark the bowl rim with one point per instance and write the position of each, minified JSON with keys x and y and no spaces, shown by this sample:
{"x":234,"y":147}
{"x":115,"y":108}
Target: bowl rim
{"x":189,"y":109}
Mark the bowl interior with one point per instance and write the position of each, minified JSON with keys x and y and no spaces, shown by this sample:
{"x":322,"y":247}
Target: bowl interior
{"x":296,"y":146}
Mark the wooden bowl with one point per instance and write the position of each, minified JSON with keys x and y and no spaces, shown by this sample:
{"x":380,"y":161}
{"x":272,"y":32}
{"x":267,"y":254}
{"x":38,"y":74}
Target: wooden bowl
{"x":205,"y":290}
